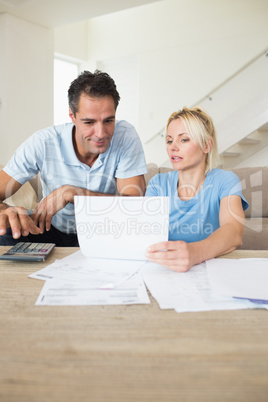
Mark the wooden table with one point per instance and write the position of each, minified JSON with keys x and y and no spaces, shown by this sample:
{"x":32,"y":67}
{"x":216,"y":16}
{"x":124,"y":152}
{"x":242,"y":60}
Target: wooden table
{"x":125,"y":353}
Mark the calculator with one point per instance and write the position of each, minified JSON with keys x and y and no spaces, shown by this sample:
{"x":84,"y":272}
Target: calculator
{"x":27,"y":251}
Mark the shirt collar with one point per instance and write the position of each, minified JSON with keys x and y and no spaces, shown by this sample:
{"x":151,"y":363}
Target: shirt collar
{"x":67,"y":148}
{"x":68,"y":152}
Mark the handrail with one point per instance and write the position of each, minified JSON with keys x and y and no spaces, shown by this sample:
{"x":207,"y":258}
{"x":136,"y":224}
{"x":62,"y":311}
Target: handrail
{"x":209,"y":96}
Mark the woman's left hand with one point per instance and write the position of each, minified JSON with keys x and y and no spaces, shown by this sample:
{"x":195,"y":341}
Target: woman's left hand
{"x":175,"y":255}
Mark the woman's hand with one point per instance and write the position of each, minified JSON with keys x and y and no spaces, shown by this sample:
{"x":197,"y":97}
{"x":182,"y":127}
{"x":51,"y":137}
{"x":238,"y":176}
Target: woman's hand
{"x":181,"y":256}
{"x":175,"y":255}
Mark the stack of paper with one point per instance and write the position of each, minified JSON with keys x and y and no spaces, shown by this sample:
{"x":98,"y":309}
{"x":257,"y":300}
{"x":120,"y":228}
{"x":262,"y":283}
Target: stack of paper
{"x":245,"y":278}
{"x":80,"y":280}
{"x":189,"y":291}
{"x":113,"y":234}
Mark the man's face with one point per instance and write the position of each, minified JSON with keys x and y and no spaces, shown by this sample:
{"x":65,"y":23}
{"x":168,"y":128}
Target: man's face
{"x":94,"y":127}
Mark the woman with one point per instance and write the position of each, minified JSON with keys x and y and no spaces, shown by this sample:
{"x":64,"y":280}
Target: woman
{"x":206,"y":205}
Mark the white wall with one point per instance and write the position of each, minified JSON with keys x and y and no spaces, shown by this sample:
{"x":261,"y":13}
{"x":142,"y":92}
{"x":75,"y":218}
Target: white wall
{"x":26,"y":81}
{"x":185,"y":49}
{"x":72,"y":41}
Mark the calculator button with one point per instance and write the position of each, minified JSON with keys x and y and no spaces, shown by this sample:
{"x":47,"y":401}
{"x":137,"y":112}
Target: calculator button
{"x":26,"y":251}
{"x":39,"y":247}
{"x":23,"y":247}
{"x":17,"y":246}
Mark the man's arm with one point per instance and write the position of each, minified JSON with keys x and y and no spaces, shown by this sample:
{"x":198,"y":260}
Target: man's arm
{"x":15,"y":217}
{"x":133,"y":186}
{"x":59,"y":198}
{"x":8,"y":186}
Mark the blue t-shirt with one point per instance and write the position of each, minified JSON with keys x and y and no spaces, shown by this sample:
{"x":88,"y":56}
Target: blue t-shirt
{"x":50,"y":151}
{"x":195,"y":219}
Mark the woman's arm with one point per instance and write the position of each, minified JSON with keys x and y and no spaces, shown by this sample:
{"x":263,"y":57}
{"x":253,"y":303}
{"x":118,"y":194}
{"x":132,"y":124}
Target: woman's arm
{"x":181,"y":256}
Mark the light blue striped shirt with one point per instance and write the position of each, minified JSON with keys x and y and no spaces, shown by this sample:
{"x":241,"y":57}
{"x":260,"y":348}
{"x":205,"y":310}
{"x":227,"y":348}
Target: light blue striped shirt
{"x":50,"y":151}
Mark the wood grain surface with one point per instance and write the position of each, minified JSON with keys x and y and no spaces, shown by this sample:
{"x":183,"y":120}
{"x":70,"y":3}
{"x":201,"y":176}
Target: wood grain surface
{"x":125,"y":353}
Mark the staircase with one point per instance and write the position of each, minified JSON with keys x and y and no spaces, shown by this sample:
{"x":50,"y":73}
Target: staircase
{"x":244,"y":132}
{"x":239,"y":109}
{"x":245,"y":148}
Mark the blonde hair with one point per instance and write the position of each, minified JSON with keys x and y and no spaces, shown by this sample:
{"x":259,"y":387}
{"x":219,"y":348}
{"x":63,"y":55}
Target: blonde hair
{"x":201,"y":130}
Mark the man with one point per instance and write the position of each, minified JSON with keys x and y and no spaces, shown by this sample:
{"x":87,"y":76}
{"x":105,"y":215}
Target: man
{"x":95,"y":155}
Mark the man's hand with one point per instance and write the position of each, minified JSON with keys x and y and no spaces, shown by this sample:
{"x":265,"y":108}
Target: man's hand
{"x":59,"y":198}
{"x":18,"y":220}
{"x":54,"y":202}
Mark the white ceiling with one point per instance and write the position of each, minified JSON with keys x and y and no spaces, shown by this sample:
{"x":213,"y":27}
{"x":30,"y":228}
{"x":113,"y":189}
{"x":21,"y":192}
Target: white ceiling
{"x":53,"y":13}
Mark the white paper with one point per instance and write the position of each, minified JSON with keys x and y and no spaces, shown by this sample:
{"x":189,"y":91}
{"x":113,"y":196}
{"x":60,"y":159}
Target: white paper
{"x":188,"y":291}
{"x":245,"y":278}
{"x":55,"y":293}
{"x":96,"y":273}
{"x":120,"y":227}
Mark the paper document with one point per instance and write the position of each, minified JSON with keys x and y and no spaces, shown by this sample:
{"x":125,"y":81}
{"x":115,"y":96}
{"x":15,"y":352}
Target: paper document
{"x":245,"y":278}
{"x":188,"y":291}
{"x":96,"y":273}
{"x":55,"y":293}
{"x":120,"y":227}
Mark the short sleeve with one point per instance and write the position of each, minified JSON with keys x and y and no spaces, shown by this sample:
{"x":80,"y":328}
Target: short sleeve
{"x":231,"y":185}
{"x":132,"y":160}
{"x":152,"y":188}
{"x":23,"y":165}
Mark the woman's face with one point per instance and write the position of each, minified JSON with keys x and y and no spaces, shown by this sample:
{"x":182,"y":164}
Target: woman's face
{"x":183,"y":153}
